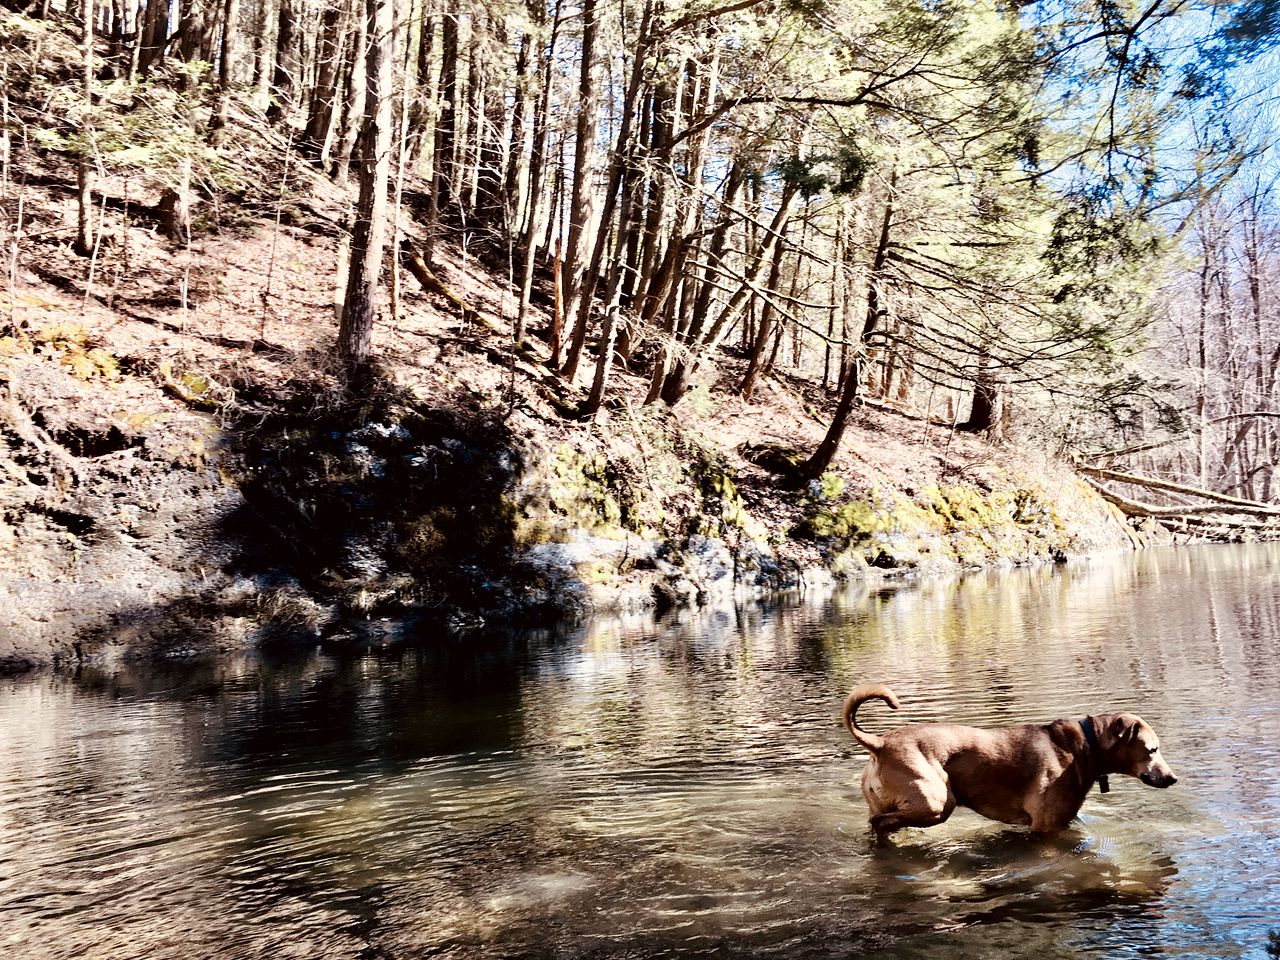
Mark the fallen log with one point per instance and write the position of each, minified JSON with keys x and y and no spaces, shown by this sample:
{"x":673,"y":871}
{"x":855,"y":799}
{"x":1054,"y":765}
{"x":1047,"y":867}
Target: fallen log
{"x":1210,"y":523}
{"x":433,"y":284}
{"x":1135,"y":508}
{"x":1237,"y":505}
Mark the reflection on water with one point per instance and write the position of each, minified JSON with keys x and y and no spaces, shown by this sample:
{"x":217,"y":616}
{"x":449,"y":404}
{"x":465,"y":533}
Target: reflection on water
{"x":640,"y":789}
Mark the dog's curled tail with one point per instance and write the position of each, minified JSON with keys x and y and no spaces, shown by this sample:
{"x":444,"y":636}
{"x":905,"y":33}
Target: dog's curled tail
{"x":875,"y":691}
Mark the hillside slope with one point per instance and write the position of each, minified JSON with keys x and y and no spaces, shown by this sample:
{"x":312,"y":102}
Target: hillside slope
{"x":181,"y":469}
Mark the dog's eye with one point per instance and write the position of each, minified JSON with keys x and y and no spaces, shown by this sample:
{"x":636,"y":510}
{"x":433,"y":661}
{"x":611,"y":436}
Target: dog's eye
{"x":1153,"y":750}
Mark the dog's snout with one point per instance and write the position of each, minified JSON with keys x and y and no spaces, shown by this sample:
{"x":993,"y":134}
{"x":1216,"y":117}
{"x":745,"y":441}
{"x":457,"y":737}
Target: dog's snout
{"x":1158,"y":780}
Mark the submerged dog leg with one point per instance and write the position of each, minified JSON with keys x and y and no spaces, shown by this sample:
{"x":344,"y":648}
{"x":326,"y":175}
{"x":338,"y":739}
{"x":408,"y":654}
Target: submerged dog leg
{"x":921,"y":808}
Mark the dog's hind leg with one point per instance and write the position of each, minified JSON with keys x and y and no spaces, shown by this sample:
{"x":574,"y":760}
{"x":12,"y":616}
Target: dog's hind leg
{"x":883,"y":823}
{"x":923,"y":805}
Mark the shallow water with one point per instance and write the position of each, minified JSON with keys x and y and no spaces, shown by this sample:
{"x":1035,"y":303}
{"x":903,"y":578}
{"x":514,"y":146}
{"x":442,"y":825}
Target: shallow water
{"x":645,"y":789}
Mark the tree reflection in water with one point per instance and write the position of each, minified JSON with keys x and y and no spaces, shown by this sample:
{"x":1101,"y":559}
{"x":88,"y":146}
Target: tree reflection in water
{"x":632,"y":787}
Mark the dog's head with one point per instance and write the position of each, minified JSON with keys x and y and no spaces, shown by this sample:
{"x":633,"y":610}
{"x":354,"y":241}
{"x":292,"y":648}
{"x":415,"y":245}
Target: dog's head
{"x":1132,"y":748}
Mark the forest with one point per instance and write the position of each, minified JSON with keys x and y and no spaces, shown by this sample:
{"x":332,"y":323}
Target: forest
{"x":1064,"y":208}
{"x":1044,"y":225}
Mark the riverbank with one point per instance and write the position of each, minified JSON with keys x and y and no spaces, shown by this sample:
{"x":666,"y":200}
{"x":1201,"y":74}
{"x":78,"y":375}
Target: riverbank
{"x":182,"y":471}
{"x":173,"y":487}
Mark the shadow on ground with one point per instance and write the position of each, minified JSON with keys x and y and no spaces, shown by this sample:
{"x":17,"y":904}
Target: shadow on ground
{"x":303,"y":515}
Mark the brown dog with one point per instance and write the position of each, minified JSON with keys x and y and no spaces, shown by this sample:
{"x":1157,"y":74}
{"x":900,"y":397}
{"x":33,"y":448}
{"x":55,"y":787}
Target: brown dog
{"x":1036,"y":775}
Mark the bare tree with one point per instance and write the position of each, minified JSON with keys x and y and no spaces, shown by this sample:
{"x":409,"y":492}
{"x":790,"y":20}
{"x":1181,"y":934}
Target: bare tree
{"x":226,"y":69}
{"x":84,"y":163}
{"x":373,"y":162}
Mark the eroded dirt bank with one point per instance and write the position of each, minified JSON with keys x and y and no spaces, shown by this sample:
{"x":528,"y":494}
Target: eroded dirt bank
{"x":158,"y":508}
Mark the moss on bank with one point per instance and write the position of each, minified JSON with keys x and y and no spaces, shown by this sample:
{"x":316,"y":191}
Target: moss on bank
{"x":953,"y":526}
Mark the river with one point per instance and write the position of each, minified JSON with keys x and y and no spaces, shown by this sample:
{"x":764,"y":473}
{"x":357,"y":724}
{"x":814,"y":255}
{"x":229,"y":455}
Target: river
{"x":640,"y":788}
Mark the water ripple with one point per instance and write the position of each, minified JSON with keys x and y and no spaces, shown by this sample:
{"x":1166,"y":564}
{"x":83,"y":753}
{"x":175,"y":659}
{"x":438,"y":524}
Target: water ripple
{"x":659,"y":789}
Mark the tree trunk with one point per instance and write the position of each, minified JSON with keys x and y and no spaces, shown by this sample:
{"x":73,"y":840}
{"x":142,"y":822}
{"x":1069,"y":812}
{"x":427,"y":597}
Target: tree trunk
{"x":423,"y":114}
{"x":694,"y":96}
{"x":490,"y":120}
{"x":618,"y":168}
{"x":373,"y":159}
{"x":442,"y":159}
{"x":676,"y":382}
{"x":537,"y":166}
{"x":470,"y":122}
{"x":226,"y":70}
{"x":765,"y":327}
{"x":715,"y":252}
{"x":1202,"y":366}
{"x":319,"y":132}
{"x":193,"y":36}
{"x":84,"y":164}
{"x":989,"y":413}
{"x":581,"y":204}
{"x":665,"y":300}
{"x":702,"y":344}
{"x":660,"y":146}
{"x":153,"y":35}
{"x":286,"y":65}
{"x":261,"y":80}
{"x":821,"y":460}
{"x":613,"y":325}
{"x":517,"y":143}
{"x":353,"y":102}
{"x":115,"y":49}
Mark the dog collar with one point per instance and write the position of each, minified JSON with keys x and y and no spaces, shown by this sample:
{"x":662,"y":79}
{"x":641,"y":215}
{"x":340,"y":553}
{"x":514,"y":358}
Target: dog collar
{"x":1091,"y":737}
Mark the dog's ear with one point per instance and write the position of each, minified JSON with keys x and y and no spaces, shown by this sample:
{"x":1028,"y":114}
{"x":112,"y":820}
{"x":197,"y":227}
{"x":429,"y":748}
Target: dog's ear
{"x":1124,"y":731}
